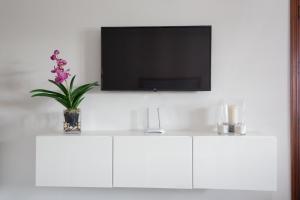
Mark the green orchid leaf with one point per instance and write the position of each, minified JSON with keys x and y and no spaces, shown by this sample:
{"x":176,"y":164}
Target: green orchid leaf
{"x":71,"y":84}
{"x":70,"y":99}
{"x":50,"y":92}
{"x":62,"y":101}
{"x":81,"y":92}
{"x":82,"y":88}
{"x":61,"y":87}
{"x":76,"y":104}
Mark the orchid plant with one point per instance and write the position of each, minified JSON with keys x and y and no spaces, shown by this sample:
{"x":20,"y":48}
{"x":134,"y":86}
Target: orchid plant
{"x":68,"y":96}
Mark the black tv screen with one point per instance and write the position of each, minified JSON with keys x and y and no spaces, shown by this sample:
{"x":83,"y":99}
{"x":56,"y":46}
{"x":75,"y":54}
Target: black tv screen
{"x":175,"y":58}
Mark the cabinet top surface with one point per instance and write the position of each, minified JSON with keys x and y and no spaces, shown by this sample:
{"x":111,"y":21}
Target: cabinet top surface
{"x":141,"y":133}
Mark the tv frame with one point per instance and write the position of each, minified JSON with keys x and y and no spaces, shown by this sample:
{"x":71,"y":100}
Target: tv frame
{"x":156,"y":90}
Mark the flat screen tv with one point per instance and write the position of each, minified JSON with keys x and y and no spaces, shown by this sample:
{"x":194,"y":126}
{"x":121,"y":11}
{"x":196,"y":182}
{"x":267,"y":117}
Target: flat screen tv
{"x":172,"y":58}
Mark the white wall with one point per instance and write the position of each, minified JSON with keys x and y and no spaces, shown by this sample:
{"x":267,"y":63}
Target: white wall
{"x":250,"y":60}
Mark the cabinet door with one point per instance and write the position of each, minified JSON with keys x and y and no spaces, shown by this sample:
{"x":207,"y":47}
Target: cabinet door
{"x":74,"y":161}
{"x":153,"y":161}
{"x":245,"y":163}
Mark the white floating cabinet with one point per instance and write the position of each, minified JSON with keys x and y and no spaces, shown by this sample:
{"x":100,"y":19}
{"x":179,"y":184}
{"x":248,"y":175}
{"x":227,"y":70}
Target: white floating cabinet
{"x":74,"y":161}
{"x":153,"y":162}
{"x":235,"y":163}
{"x":179,"y":161}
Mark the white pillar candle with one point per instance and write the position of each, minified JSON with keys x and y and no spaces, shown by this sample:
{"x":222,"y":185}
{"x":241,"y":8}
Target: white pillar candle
{"x":232,"y":114}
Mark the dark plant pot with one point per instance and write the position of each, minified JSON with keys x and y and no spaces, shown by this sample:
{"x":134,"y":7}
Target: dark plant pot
{"x":72,"y":122}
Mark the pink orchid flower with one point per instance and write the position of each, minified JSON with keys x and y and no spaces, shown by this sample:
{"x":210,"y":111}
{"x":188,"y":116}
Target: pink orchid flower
{"x":61,"y":76}
{"x":61,"y":62}
{"x":56,"y":69}
{"x":53,"y":57}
